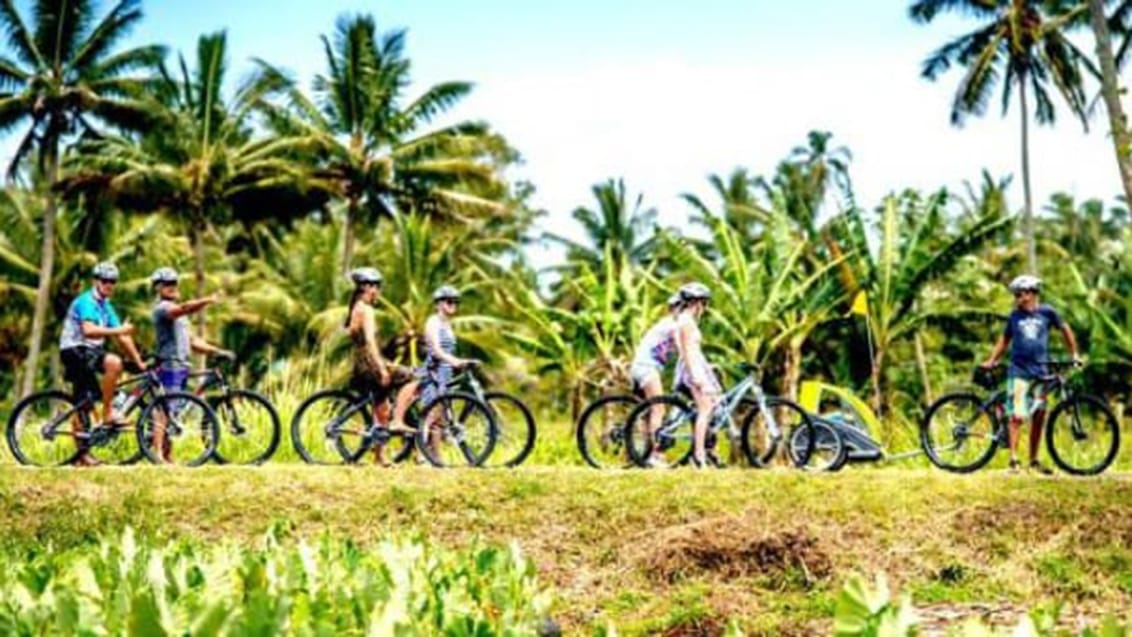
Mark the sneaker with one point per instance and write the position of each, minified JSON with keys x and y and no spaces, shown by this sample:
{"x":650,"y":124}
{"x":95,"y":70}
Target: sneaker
{"x":655,"y":461}
{"x":1015,"y":466}
{"x":1038,"y":467}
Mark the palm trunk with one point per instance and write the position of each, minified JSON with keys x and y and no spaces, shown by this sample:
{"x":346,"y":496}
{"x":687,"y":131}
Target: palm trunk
{"x":922,"y":364}
{"x":1110,"y":89}
{"x":1028,"y":211}
{"x":46,"y":271}
{"x":348,"y":233}
{"x":878,"y":397}
{"x":792,"y":370}
{"x":197,"y":237}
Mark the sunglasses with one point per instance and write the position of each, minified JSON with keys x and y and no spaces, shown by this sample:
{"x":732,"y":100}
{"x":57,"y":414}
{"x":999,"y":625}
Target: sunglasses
{"x":1019,"y":293}
{"x":109,"y":281}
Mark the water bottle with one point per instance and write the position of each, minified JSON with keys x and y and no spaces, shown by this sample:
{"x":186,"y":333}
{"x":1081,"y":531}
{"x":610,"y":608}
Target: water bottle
{"x":119,"y":401}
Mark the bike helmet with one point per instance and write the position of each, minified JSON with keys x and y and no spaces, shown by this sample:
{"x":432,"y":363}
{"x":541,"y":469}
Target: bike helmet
{"x":361,"y":276}
{"x":105,"y":271}
{"x":1026,"y":282}
{"x":695,"y":292}
{"x":674,"y":301}
{"x":163,"y":276}
{"x":446,"y":293}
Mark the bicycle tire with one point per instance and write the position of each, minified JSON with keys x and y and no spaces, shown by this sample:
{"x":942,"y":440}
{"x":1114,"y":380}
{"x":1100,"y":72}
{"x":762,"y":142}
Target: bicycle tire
{"x":981,"y":456}
{"x":640,"y":450}
{"x":462,"y":404}
{"x":1061,"y":457}
{"x":614,"y":435}
{"x":222,"y":405}
{"x":304,"y":448}
{"x":524,"y":432}
{"x":828,"y":444}
{"x":760,"y":458}
{"x":14,"y":428}
{"x":174,"y":403}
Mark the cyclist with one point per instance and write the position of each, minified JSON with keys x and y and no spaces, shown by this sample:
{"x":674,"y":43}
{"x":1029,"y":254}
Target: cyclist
{"x":175,"y":341}
{"x":1027,"y":335}
{"x":89,"y":320}
{"x":654,"y":352}
{"x":371,"y":372}
{"x":692,"y":368}
{"x":440,"y":358}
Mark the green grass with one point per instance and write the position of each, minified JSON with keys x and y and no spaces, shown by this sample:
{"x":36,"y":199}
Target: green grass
{"x":647,"y":551}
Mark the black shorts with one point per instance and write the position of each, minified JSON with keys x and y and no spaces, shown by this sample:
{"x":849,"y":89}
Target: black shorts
{"x":363,"y":381}
{"x":81,"y":367}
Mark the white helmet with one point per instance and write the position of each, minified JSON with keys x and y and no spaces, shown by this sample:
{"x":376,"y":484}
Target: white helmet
{"x":362,"y":276}
{"x":695,"y":292}
{"x":674,"y":301}
{"x":446,"y":293}
{"x":105,"y":271}
{"x":1026,"y":282}
{"x":162,"y":276}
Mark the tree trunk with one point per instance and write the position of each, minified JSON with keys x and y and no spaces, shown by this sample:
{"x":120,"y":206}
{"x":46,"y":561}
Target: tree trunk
{"x":922,"y":364}
{"x":792,"y":370}
{"x":46,"y":271}
{"x":878,"y":398}
{"x":348,"y":233}
{"x":1110,"y":89}
{"x":1028,"y":211}
{"x":197,"y":237}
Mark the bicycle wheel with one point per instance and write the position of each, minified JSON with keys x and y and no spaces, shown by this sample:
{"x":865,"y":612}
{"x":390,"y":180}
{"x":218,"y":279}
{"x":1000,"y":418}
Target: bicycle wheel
{"x":670,"y":445}
{"x":185,"y":423}
{"x":959,"y":433}
{"x":1082,"y":436}
{"x":828,"y":445}
{"x":41,"y":429}
{"x":456,"y":429}
{"x":249,"y":427}
{"x":762,"y":435}
{"x":331,"y":427}
{"x":516,"y":430}
{"x":600,"y":432}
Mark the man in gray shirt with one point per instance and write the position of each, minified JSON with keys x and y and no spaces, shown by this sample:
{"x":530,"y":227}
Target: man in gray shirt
{"x":175,"y":342}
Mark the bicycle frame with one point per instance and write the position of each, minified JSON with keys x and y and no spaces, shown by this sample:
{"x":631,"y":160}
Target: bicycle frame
{"x":147,"y":386}
{"x":724,"y":409}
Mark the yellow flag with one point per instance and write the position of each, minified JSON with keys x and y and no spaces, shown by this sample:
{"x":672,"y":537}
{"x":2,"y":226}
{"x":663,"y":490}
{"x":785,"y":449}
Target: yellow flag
{"x":860,"y":304}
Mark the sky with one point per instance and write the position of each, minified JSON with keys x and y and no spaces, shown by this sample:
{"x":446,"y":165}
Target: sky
{"x":665,"y":93}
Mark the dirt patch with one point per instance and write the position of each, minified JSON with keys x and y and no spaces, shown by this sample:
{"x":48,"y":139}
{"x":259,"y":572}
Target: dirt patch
{"x":733,"y":547}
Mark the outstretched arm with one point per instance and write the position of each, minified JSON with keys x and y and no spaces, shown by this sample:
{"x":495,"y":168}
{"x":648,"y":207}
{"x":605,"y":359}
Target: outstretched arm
{"x":202,"y":346}
{"x":177,"y":310}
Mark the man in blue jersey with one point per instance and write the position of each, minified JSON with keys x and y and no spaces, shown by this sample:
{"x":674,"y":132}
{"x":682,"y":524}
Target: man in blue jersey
{"x":89,"y":320}
{"x":1027,"y":336}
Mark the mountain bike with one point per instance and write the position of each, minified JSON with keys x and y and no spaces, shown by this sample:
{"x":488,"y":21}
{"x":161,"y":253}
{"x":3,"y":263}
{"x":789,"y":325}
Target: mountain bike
{"x":248,"y":421}
{"x":962,"y":431}
{"x":41,"y":423}
{"x":766,"y":422}
{"x":338,"y":426}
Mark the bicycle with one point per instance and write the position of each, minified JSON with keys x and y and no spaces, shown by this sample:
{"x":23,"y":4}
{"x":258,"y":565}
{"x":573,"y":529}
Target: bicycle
{"x":766,"y":420}
{"x":248,"y":421}
{"x":515,"y":426}
{"x":37,"y":424}
{"x":337,"y":426}
{"x":1082,"y":435}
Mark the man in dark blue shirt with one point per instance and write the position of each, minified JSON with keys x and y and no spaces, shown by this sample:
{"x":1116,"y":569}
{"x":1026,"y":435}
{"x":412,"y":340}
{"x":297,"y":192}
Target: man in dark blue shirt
{"x":1027,"y":335}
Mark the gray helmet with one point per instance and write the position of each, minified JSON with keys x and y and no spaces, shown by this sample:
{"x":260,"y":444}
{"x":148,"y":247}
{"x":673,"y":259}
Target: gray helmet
{"x":446,"y":293}
{"x":362,"y":276}
{"x":105,"y":271}
{"x":694,"y":292}
{"x":1026,"y":282}
{"x":674,"y":300}
{"x":162,"y":276}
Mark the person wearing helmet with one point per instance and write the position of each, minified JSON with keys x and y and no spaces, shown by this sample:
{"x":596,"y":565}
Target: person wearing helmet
{"x":371,"y":372}
{"x":89,"y":320}
{"x":440,"y":355}
{"x":175,"y":341}
{"x":1027,"y":336}
{"x":692,"y":368}
{"x":655,"y":350}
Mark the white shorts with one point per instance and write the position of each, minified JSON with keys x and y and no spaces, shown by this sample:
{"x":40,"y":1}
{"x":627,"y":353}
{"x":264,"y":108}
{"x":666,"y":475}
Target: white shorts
{"x":640,"y":372}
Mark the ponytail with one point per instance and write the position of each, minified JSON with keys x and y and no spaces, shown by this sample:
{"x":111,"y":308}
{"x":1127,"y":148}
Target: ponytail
{"x":353,"y":301}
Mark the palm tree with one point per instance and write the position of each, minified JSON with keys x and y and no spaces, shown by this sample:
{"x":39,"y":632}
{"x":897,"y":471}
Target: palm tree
{"x":620,"y":228}
{"x":376,"y":148}
{"x":1110,"y":87}
{"x":1024,"y":41}
{"x":59,"y":78}
{"x":202,"y":160}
